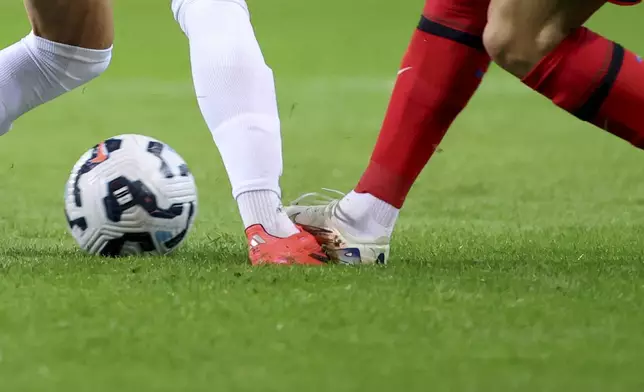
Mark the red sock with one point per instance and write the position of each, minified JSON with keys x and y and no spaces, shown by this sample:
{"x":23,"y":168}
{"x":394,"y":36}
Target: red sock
{"x":596,"y":80}
{"x":440,"y":72}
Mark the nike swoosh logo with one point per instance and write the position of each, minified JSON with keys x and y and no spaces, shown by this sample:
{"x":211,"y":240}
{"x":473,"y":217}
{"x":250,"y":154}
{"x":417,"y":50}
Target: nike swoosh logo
{"x":402,"y":71}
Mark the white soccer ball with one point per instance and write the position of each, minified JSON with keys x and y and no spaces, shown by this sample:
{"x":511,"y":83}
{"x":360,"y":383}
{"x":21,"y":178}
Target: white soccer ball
{"x":129,"y":195}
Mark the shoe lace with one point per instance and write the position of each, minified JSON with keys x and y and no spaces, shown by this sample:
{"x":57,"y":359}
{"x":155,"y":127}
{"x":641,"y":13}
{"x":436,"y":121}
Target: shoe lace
{"x":328,"y":196}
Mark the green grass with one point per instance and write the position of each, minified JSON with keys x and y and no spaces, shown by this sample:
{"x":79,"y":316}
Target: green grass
{"x":517,"y":265}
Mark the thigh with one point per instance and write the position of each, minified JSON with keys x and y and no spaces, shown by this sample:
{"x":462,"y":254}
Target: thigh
{"x":520,"y":33}
{"x":84,"y":23}
{"x":532,"y":18}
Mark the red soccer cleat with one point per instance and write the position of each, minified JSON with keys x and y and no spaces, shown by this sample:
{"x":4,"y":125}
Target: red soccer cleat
{"x":300,"y":248}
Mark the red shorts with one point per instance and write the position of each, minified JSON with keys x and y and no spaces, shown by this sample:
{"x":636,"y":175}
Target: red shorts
{"x":625,"y":2}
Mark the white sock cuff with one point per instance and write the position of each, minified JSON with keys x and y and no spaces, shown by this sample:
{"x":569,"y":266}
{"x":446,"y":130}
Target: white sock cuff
{"x":384,"y":213}
{"x":258,"y":201}
{"x":263,"y":207}
{"x":259,"y":184}
{"x":362,"y":205}
{"x":179,"y":8}
{"x":84,"y":55}
{"x":36,"y":70}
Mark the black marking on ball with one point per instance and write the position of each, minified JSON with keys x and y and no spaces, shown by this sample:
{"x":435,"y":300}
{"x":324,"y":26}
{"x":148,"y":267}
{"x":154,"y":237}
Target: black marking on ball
{"x":123,"y":194}
{"x":80,"y":222}
{"x":113,"y":248}
{"x":173,"y":242}
{"x":156,"y":149}
{"x":183,"y":170}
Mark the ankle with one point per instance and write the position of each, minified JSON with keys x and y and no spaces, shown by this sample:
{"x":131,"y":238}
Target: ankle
{"x":367,"y":214}
{"x":263,"y":207}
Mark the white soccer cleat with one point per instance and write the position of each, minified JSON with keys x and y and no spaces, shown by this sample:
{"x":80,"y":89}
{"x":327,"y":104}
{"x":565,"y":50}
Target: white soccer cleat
{"x":321,"y":216}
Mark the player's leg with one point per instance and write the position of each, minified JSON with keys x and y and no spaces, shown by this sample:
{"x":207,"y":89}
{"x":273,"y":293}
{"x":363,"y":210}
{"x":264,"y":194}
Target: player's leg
{"x":79,"y":23}
{"x":520,"y":33}
{"x":236,"y":94}
{"x":440,"y":72}
{"x":70,"y":45}
{"x":582,"y":72}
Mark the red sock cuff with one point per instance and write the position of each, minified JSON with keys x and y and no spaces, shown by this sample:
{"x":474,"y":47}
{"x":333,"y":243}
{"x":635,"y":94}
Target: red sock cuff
{"x":571,"y":74}
{"x":596,"y":80}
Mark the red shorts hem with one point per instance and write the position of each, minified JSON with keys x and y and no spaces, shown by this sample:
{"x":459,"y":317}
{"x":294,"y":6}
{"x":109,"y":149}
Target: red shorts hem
{"x":625,"y":2}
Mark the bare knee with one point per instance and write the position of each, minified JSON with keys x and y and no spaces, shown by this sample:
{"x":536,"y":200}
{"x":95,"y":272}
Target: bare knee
{"x":518,"y":49}
{"x":83,"y":23}
{"x":520,"y":33}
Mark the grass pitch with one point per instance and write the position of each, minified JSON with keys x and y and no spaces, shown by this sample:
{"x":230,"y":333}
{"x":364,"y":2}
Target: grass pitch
{"x":517,"y":265}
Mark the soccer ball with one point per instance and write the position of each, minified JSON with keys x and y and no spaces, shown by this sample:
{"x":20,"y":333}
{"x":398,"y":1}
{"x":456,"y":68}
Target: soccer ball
{"x":129,"y":195}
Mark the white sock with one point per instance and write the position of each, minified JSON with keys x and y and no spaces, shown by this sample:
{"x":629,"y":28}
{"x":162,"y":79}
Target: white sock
{"x":236,"y":94}
{"x":265,"y":208}
{"x":35,"y":70}
{"x":367,"y":216}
